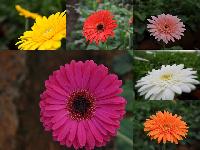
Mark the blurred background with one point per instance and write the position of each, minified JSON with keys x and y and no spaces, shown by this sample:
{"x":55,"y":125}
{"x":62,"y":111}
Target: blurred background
{"x":78,"y":11}
{"x":147,"y":60}
{"x":22,"y":81}
{"x":12,"y":25}
{"x":187,"y":10}
{"x":188,"y":110}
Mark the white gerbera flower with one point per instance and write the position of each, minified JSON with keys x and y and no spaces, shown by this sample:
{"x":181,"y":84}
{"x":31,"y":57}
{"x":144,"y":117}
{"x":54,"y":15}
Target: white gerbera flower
{"x":164,"y":83}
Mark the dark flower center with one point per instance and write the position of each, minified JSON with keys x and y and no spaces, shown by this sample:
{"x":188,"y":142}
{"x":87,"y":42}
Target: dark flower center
{"x":166,"y":26}
{"x":100,"y":27}
{"x":81,"y":105}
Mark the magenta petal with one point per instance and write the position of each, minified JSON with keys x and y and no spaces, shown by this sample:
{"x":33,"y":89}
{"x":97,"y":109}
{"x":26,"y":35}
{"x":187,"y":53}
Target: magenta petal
{"x":65,"y":130}
{"x":70,"y":76}
{"x":86,"y":76}
{"x":105,"y":119}
{"x":59,"y":124}
{"x":73,"y":130}
{"x":81,"y":134}
{"x":87,"y":72}
{"x":59,"y":90}
{"x":60,"y":115}
{"x":109,"y":128}
{"x":94,"y":131}
{"x":55,"y":107}
{"x":108,"y":80}
{"x":112,"y":100}
{"x":78,"y":73}
{"x":99,"y":127}
{"x":50,"y":113}
{"x":76,"y":144}
{"x":55,"y":102}
{"x":108,"y":113}
{"x":110,"y":93}
{"x":55,"y":95}
{"x":97,"y":76}
{"x":62,"y":79}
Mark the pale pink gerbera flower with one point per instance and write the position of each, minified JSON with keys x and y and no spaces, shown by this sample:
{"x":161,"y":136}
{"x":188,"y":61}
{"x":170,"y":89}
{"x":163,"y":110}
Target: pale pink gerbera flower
{"x":81,"y":105}
{"x":166,"y":27}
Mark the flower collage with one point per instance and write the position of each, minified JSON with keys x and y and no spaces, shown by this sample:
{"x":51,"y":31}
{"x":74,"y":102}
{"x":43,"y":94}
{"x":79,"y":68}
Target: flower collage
{"x":100,"y":75}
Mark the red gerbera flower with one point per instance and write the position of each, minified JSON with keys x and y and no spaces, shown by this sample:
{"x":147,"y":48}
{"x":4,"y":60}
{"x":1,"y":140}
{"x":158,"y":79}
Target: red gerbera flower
{"x":99,"y":26}
{"x":81,"y":105}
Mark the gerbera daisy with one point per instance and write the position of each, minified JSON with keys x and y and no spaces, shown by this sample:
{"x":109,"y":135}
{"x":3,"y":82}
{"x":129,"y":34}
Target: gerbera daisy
{"x":164,"y":83}
{"x":99,"y":26}
{"x":46,"y":33}
{"x":26,"y":13}
{"x":166,"y":127}
{"x":166,"y":27}
{"x":81,"y":106}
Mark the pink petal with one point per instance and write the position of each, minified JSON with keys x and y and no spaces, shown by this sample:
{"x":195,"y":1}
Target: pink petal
{"x":81,"y":134}
{"x":59,"y":124}
{"x":94,"y":131}
{"x":55,"y":107}
{"x":65,"y":131}
{"x":73,"y":131}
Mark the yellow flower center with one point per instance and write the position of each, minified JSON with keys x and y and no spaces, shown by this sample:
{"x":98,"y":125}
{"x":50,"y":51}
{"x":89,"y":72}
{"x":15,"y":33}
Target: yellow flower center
{"x":166,"y":77}
{"x":166,"y":127}
{"x":47,"y":31}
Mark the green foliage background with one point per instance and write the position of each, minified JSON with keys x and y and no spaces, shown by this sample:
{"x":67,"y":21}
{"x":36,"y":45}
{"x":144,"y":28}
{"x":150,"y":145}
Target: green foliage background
{"x":126,"y":128}
{"x":13,"y":25}
{"x":122,"y":11}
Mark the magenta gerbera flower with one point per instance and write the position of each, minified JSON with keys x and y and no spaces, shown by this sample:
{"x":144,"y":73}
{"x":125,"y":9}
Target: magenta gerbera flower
{"x":81,"y":105}
{"x":166,"y":27}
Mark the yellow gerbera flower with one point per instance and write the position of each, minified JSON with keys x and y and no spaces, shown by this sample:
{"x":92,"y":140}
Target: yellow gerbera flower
{"x":46,"y":33}
{"x":26,"y":13}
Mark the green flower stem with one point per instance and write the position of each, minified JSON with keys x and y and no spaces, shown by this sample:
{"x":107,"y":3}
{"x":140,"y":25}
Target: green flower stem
{"x":126,"y":139}
{"x":164,"y":146}
{"x":26,"y":24}
{"x":87,"y":44}
{"x":163,"y":46}
{"x":106,"y":46}
{"x":94,"y":5}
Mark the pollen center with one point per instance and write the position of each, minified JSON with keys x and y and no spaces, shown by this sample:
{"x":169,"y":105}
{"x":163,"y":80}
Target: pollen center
{"x":47,"y":32}
{"x":166,"y":127}
{"x":166,"y":77}
{"x":100,"y":27}
{"x":166,"y":28}
{"x":81,"y":105}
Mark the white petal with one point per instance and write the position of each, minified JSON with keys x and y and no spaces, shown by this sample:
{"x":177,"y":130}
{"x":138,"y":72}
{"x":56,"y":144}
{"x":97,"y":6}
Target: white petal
{"x":157,"y":96}
{"x":147,"y":86}
{"x":168,"y":94}
{"x":185,"y":88}
{"x":153,"y":90}
{"x":176,"y":89}
{"x":191,"y":81}
{"x":191,"y":86}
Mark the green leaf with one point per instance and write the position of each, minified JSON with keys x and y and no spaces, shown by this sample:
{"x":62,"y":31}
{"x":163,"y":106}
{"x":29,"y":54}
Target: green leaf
{"x":122,"y":64}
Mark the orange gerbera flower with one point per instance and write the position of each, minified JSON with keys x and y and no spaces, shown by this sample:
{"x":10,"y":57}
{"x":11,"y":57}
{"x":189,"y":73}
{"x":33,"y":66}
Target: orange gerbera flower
{"x":166,"y":127}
